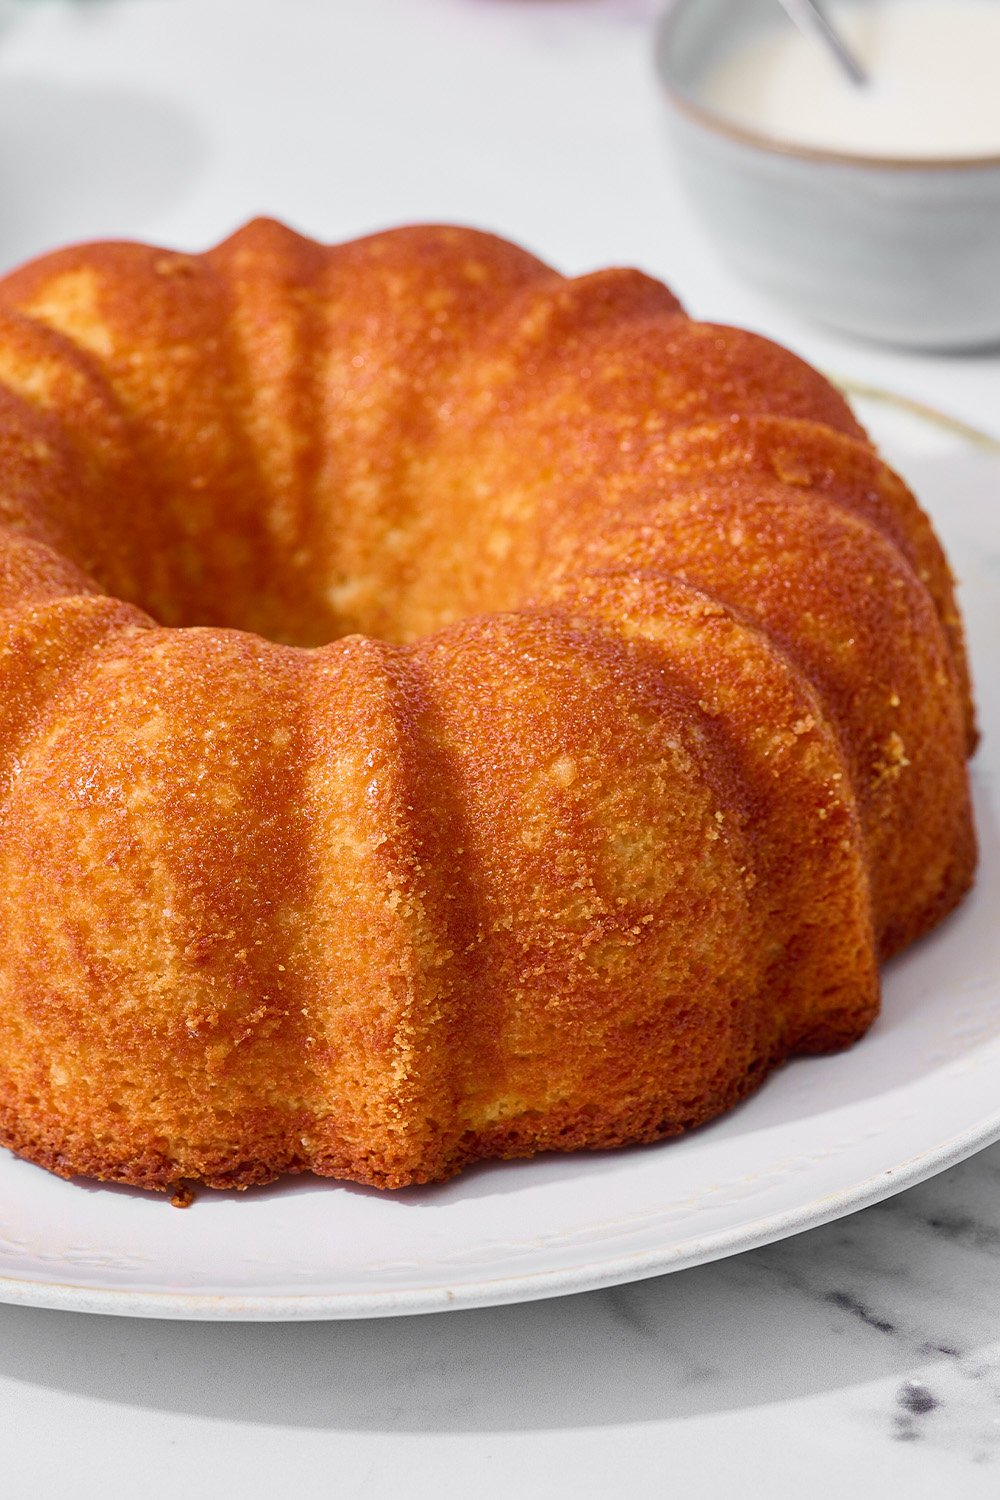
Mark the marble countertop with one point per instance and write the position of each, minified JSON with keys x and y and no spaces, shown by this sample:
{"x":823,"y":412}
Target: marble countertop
{"x":860,"y":1358}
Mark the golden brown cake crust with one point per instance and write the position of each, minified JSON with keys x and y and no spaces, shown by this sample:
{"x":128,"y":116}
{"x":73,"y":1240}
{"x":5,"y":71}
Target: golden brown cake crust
{"x":448,"y":711}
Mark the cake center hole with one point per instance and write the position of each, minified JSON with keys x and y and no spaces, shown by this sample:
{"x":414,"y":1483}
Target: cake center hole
{"x":383,"y":563}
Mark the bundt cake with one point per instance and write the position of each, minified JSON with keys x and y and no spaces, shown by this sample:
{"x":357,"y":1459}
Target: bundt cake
{"x":447,"y":711}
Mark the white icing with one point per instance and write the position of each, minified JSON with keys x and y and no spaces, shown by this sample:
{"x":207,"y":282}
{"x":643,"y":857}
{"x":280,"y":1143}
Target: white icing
{"x":934,"y":90}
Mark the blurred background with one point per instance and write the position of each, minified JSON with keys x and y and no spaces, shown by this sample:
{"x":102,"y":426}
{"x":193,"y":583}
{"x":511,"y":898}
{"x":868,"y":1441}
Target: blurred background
{"x":178,"y":119}
{"x":544,"y":120}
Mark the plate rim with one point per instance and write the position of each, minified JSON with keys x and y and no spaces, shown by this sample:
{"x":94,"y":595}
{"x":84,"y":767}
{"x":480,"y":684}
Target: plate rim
{"x":497,"y":1291}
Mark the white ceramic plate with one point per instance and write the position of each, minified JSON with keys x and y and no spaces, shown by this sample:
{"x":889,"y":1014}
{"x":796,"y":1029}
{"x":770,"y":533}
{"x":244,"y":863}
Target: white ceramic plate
{"x":824,"y":1136}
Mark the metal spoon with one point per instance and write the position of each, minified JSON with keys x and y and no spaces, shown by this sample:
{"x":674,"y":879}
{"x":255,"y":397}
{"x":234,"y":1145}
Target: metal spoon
{"x":812,"y":20}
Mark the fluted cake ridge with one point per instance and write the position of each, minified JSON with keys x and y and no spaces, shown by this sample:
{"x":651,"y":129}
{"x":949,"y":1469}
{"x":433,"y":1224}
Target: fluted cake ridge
{"x":447,"y":710}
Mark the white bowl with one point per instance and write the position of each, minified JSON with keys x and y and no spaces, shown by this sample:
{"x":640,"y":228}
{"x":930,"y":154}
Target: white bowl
{"x":901,"y":250}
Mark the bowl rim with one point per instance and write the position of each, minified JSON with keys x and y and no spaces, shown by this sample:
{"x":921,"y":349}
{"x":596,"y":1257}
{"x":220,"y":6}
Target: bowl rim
{"x":745,"y":135}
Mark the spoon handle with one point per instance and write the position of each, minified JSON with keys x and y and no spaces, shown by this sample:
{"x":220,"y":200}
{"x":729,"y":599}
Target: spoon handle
{"x":810,"y":17}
